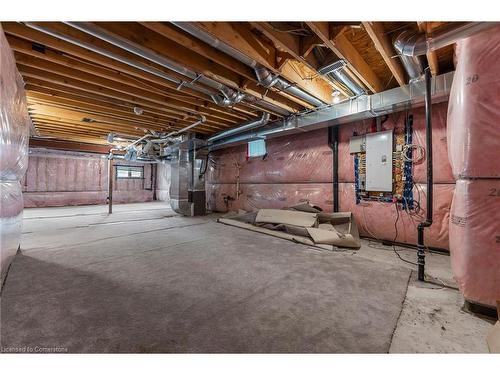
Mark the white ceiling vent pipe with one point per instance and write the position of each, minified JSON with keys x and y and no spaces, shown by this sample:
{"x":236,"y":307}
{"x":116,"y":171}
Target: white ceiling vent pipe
{"x":264,"y":76}
{"x":253,"y":124}
{"x":410,"y":44}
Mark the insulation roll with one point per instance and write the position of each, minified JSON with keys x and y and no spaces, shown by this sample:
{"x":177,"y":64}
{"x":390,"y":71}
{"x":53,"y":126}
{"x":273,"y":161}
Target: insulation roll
{"x":475,"y":239}
{"x":14,"y":119}
{"x":474,"y":110}
{"x":11,"y":217}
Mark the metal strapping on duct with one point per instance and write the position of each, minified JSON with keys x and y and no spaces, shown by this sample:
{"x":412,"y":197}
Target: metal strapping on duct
{"x":264,"y":76}
{"x":411,"y":44}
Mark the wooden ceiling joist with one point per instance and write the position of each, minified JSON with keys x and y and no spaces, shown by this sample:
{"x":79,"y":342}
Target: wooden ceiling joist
{"x":341,"y":46}
{"x":384,"y":46}
{"x":239,"y":36}
{"x":427,"y":27}
{"x":80,"y":87}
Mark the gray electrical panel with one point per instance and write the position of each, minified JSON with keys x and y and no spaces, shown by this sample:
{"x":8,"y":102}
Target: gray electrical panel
{"x":379,"y":161}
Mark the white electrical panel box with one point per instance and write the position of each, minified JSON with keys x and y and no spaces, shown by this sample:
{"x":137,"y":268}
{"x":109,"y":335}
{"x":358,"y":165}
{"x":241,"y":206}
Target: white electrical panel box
{"x":379,"y":161}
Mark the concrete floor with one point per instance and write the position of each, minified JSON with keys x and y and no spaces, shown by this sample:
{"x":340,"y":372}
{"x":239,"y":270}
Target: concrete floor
{"x":147,"y":280}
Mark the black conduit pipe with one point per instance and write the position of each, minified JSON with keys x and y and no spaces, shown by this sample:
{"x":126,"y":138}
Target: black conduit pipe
{"x":428,"y":154}
{"x":333,"y":142}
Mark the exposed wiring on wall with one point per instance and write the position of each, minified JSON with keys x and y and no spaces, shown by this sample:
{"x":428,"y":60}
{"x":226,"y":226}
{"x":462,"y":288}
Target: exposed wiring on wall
{"x":418,"y":156}
{"x":396,"y":237}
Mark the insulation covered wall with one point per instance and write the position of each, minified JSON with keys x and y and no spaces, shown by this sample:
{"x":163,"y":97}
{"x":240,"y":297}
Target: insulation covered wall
{"x":299,"y":167}
{"x":474,"y":111}
{"x":474,"y":144}
{"x":475,"y":239}
{"x":65,"y":178}
{"x":14,"y":132}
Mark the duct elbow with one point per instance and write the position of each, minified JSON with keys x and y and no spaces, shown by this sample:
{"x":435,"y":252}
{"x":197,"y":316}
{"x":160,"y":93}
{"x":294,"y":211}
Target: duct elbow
{"x":410,"y":43}
{"x":265,"y":77}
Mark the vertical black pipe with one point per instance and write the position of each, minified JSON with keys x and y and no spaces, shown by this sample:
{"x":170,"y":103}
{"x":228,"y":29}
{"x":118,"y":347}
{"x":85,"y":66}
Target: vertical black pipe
{"x":333,"y":142}
{"x":428,"y":155}
{"x":110,"y":183}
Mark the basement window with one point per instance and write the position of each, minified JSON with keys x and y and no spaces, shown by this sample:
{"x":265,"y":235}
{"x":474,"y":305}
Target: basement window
{"x":128,"y":171}
{"x":256,"y":148}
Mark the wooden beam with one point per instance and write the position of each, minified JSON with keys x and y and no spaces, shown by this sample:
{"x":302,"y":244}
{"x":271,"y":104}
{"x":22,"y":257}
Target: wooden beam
{"x":427,"y":27}
{"x":384,"y":46}
{"x":341,"y":46}
{"x":69,"y":146}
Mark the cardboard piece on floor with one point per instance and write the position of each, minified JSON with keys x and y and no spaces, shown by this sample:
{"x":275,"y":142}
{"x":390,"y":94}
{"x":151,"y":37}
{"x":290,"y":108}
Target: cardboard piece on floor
{"x":493,"y":338}
{"x":322,"y":236}
{"x":305,"y":207}
{"x":275,"y":233}
{"x":298,"y":218}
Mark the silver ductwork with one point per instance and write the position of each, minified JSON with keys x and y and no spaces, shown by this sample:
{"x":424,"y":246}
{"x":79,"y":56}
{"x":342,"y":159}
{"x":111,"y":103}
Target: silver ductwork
{"x":124,"y":60}
{"x":418,"y":44}
{"x":268,"y":80}
{"x":187,"y":187}
{"x":224,"y":96}
{"x":264,"y":76}
{"x":251,"y":125}
{"x":410,"y":45}
{"x":355,"y":109}
{"x":100,"y":33}
{"x":336,"y":72}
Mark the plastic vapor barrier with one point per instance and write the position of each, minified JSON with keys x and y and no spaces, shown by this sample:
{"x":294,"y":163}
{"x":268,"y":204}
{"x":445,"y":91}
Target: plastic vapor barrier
{"x":474,"y":111}
{"x":14,"y":133}
{"x":254,"y":196}
{"x":475,"y":239}
{"x":304,"y":158}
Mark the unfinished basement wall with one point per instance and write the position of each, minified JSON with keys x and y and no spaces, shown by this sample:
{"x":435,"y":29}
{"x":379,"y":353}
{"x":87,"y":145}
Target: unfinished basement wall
{"x":299,"y":168}
{"x":66,"y":178}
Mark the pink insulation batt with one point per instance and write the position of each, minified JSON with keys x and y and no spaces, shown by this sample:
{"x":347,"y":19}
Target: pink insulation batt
{"x":475,"y":239}
{"x":474,"y":111}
